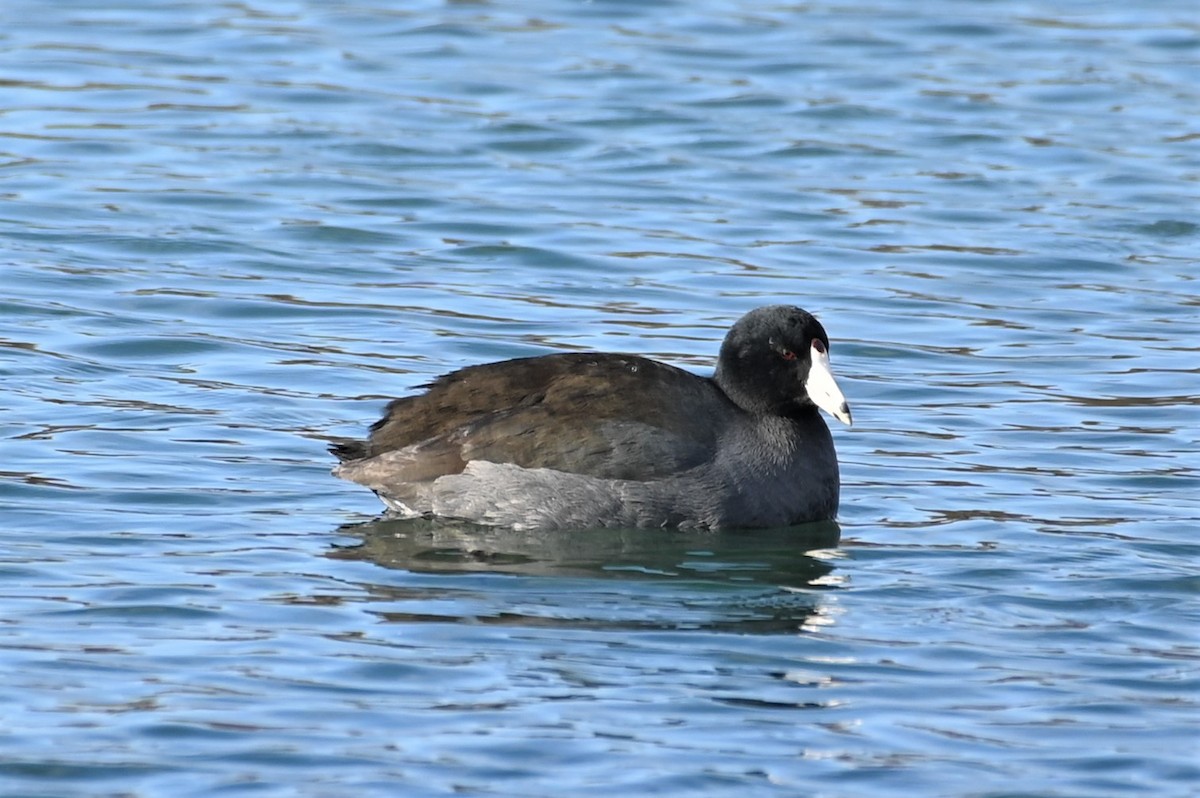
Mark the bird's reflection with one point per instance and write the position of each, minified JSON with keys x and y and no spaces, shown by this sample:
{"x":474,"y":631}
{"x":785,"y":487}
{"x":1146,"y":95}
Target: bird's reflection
{"x":751,"y":582}
{"x":780,"y":556}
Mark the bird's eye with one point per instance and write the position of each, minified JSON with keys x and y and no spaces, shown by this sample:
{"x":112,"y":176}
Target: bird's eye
{"x":787,"y":354}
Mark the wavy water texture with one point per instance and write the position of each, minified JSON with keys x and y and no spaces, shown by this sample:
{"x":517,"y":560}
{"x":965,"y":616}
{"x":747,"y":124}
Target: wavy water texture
{"x":228,"y":232}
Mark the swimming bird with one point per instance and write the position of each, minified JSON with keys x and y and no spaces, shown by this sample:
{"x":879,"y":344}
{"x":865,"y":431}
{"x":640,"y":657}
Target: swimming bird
{"x":577,"y":440}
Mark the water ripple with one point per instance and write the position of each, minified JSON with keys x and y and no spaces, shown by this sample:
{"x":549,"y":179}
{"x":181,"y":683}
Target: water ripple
{"x":229,"y":233}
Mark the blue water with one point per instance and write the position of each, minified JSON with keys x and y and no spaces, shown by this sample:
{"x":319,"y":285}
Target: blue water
{"x":228,"y":232}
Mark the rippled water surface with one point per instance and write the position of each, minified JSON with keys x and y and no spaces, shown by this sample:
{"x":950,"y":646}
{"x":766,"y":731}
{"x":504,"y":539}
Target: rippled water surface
{"x":229,"y":231}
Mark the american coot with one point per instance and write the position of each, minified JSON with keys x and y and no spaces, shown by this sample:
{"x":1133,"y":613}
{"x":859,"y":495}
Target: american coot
{"x":594,"y":439}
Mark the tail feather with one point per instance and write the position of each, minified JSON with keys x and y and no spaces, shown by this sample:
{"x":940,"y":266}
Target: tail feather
{"x":346,"y":449}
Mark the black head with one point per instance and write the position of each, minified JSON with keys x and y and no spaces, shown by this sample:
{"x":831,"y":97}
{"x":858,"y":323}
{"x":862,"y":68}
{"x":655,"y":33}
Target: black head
{"x":775,"y":360}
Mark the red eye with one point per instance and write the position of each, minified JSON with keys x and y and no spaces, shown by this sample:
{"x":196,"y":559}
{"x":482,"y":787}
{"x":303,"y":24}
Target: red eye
{"x":787,"y":354}
{"x":818,"y":347}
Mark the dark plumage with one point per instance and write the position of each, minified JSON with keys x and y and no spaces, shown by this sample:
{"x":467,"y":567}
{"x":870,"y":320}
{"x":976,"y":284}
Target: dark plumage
{"x":595,"y":439}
